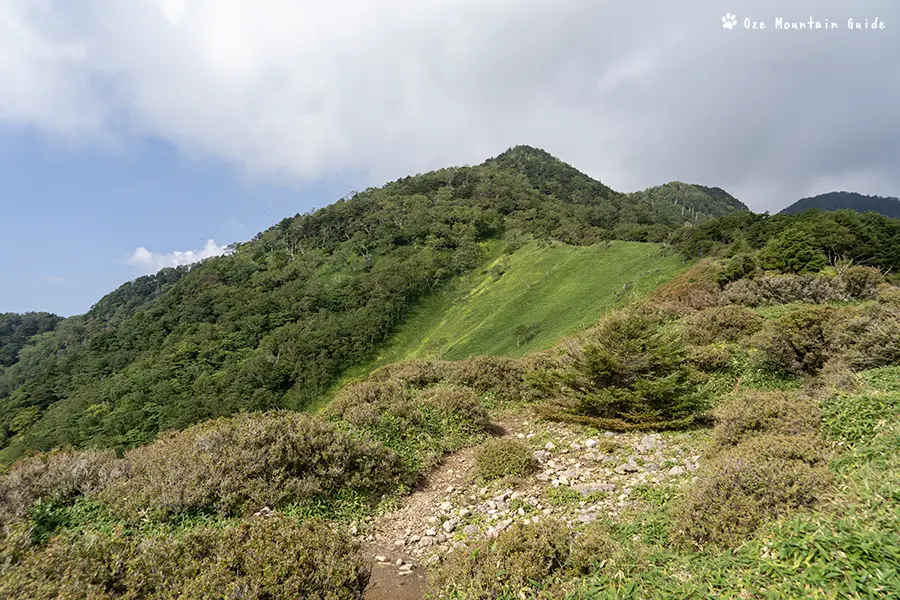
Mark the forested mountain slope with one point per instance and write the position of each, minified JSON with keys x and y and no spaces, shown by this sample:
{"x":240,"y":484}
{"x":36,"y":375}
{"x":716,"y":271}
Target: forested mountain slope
{"x":276,"y":321}
{"x":889,"y":207}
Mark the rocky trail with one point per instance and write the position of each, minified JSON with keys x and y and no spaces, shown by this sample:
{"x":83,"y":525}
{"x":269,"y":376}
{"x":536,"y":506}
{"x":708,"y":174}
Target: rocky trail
{"x":582,"y":475}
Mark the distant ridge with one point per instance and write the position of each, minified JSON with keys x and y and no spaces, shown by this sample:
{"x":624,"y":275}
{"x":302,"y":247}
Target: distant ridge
{"x":889,"y":207}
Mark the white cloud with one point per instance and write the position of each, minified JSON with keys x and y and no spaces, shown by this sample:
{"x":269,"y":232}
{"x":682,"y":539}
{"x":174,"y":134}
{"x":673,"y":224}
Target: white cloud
{"x":151,"y":262}
{"x":634,"y":93}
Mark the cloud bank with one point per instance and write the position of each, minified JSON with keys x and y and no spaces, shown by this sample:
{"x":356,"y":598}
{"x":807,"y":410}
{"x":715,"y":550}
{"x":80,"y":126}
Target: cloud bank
{"x":634,"y":93}
{"x":151,"y":262}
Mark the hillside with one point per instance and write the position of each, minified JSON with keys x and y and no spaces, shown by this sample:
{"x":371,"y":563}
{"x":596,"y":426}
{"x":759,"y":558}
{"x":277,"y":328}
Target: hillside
{"x":276,"y":322}
{"x":526,"y":300}
{"x":889,"y":207}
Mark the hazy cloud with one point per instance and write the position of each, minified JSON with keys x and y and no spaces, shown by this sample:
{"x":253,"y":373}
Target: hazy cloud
{"x":151,"y":262}
{"x":634,"y":93}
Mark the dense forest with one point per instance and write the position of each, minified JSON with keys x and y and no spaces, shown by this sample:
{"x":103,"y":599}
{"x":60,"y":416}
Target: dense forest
{"x":275,"y":322}
{"x":889,"y":207}
{"x":17,"y":330}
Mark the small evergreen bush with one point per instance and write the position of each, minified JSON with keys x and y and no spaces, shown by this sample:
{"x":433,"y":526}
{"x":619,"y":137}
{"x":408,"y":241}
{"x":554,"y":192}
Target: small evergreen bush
{"x":503,"y":457}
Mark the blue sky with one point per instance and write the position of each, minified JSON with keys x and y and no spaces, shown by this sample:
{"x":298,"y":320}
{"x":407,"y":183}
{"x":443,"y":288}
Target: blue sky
{"x":72,"y":215}
{"x":162,"y":124}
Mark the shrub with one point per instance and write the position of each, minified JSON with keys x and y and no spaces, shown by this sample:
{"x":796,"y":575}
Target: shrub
{"x":861,"y":282}
{"x":759,"y":480}
{"x":364,"y":403}
{"x":524,"y":561}
{"x":502,"y":376}
{"x":503,"y":457}
{"x":710,"y":359}
{"x":459,"y":403}
{"x":627,"y":372}
{"x":692,"y":290}
{"x":870,"y":336}
{"x":243,"y":463}
{"x":754,"y":413}
{"x":718,"y":324}
{"x":740,"y":266}
{"x":784,"y":289}
{"x":265,"y":558}
{"x":800,"y":342}
{"x":63,"y":474}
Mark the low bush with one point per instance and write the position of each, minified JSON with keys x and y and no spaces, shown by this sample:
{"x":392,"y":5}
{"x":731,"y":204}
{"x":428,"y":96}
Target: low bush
{"x":861,"y":282}
{"x":784,"y":289}
{"x":800,"y":342}
{"x":243,"y":463}
{"x":709,"y":359}
{"x":458,"y":403}
{"x":693,"y":290}
{"x":754,"y":413}
{"x":264,"y":558}
{"x":720,"y":324}
{"x":503,"y":457}
{"x":757,"y":481}
{"x":869,"y":336}
{"x":740,"y":266}
{"x":532,"y":561}
{"x":63,"y":474}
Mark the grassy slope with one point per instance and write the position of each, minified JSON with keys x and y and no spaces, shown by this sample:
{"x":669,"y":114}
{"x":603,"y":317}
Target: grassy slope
{"x":556,"y":289}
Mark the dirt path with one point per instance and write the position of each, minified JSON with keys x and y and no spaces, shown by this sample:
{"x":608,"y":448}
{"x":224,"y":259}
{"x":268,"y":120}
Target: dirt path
{"x":394,"y":539}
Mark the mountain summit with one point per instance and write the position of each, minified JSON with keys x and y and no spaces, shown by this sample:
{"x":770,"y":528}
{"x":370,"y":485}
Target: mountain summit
{"x":889,"y":207}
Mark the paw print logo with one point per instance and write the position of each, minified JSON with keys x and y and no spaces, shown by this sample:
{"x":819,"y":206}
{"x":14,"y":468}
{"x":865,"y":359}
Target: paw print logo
{"x":729,"y":21}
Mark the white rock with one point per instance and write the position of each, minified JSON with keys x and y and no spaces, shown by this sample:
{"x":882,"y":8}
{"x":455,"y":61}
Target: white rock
{"x":446,"y":506}
{"x":380,"y":558}
{"x":550,"y":446}
{"x":676,"y":470}
{"x":590,"y":443}
{"x":400,"y":543}
{"x":464,"y":512}
{"x":449,"y":526}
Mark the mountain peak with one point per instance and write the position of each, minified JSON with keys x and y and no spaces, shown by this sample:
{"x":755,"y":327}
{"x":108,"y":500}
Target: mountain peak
{"x":887,"y":206}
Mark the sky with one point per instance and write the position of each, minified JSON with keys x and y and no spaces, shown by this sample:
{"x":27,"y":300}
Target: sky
{"x":138,"y":134}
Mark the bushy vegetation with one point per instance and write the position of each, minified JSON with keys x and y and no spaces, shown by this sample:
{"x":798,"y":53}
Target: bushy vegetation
{"x":503,"y":457}
{"x":242,"y":464}
{"x":264,"y":558}
{"x":531,"y":561}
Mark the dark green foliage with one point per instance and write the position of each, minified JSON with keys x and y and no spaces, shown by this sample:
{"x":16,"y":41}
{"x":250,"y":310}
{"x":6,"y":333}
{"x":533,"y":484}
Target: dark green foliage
{"x":738,"y":267}
{"x":17,"y":330}
{"x":868,"y":238}
{"x":627,"y":372}
{"x":503,"y":457}
{"x":264,"y":558}
{"x":793,"y":251}
{"x":248,"y":462}
{"x":889,"y":207}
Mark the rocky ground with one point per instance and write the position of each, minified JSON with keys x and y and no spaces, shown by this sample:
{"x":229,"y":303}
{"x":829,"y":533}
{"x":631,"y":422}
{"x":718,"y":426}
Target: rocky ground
{"x":583,"y":474}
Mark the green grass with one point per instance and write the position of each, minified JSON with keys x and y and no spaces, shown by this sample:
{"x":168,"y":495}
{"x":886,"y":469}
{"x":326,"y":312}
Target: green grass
{"x":526,"y":301}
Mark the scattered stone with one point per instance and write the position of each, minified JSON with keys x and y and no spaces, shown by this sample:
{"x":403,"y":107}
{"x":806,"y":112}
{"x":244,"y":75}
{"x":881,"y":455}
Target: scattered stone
{"x":464,"y":512}
{"x":521,"y":436}
{"x":430,"y":532}
{"x":446,"y":506}
{"x":587,"y":518}
{"x":441,"y":538}
{"x":540,"y":455}
{"x":398,"y":562}
{"x":471,"y":530}
{"x":263,"y":512}
{"x":625,"y":468}
{"x":586,"y":489}
{"x":426,"y":541}
{"x":590,"y":443}
{"x":449,"y":526}
{"x":407,"y":567}
{"x":550,"y":446}
{"x":414,"y":538}
{"x":450,"y":489}
{"x":380,"y":558}
{"x":400,"y":543}
{"x":354,"y":530}
{"x":676,"y":470}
